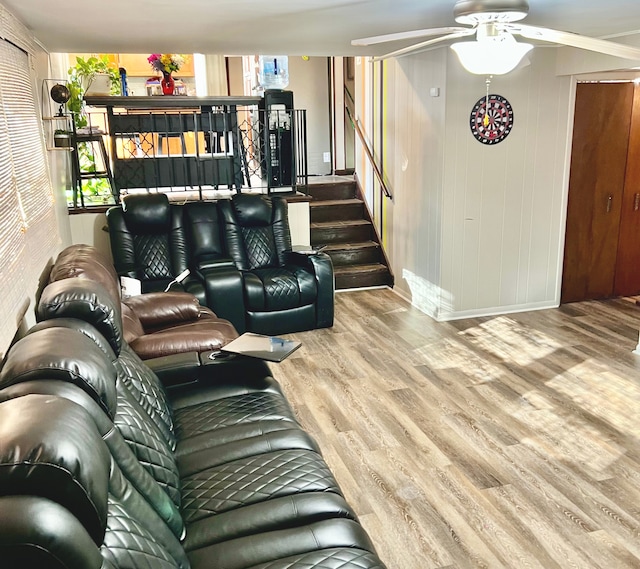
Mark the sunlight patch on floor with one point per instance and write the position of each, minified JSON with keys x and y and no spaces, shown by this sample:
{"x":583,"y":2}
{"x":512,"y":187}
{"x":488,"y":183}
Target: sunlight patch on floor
{"x":505,"y":338}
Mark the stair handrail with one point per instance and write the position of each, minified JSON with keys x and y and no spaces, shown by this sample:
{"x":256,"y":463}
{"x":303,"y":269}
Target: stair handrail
{"x":368,"y":152}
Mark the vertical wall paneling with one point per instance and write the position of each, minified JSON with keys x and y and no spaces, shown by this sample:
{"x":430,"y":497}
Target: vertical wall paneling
{"x":474,"y":229}
{"x":410,"y":125}
{"x":501,"y":238}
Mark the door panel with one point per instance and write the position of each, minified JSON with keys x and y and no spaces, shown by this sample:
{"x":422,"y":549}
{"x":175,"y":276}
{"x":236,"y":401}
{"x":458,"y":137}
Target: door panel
{"x":627,"y":281}
{"x":596,"y":183}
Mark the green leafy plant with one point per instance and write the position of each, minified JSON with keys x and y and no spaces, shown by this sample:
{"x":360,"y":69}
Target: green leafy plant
{"x":81,"y":75}
{"x":62,"y":138}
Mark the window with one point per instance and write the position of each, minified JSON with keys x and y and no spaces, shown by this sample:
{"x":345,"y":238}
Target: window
{"x":28,"y":229}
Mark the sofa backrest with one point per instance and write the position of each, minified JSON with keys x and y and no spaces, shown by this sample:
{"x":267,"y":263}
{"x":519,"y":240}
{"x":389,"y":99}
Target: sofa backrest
{"x":148,"y":239}
{"x":144,"y":415}
{"x":204,"y":233}
{"x":86,"y":300}
{"x":45,"y":361}
{"x":85,"y":261}
{"x":256,"y":230}
{"x":65,"y":499}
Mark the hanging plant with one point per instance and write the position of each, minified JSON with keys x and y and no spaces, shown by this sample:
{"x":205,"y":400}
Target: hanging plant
{"x":81,"y":75}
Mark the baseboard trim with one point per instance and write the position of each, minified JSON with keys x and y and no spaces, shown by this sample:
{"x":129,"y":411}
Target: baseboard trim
{"x":496,"y":311}
{"x":357,"y":289}
{"x":347,"y":172}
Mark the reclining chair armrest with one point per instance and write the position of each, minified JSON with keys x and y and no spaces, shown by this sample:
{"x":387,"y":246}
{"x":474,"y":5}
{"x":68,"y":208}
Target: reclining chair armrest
{"x":177,"y":368}
{"x":178,"y":339}
{"x":225,"y":296}
{"x":193,"y":285}
{"x":159,"y":309}
{"x":320,"y":264}
{"x":214,"y":263}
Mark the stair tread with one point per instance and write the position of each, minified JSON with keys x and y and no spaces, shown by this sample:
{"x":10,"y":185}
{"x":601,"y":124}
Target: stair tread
{"x":345,"y":246}
{"x":323,"y":203}
{"x":339,"y":223}
{"x":370,"y":268}
{"x":330,"y":185}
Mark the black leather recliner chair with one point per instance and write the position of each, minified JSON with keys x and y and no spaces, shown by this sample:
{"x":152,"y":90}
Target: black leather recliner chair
{"x":238,"y":252}
{"x":154,"y":241}
{"x":148,"y":243}
{"x":284,"y":291}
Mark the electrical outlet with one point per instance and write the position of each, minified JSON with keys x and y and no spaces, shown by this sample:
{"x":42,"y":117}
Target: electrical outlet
{"x":326,"y":157}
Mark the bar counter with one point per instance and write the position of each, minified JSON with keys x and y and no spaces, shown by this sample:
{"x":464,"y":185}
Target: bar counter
{"x":169,"y":102}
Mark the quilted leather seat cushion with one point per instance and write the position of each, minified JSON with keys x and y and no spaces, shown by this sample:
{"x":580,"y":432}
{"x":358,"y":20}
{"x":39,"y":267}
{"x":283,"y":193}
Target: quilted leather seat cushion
{"x":252,"y":480}
{"x":223,"y":453}
{"x":212,"y":415}
{"x":293,"y":543}
{"x":333,"y":558}
{"x":279,"y":288}
{"x":295,"y":509}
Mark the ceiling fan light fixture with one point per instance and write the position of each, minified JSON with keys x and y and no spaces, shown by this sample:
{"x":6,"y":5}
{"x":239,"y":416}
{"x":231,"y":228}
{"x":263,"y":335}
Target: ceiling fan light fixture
{"x":472,"y":12}
{"x":490,"y":57}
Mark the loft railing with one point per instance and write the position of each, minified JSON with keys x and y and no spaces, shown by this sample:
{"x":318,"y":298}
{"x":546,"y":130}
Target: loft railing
{"x":196,"y":151}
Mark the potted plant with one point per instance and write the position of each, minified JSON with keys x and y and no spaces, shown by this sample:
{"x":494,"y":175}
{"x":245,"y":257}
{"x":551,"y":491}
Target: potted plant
{"x":62,"y":138}
{"x":81,"y":76}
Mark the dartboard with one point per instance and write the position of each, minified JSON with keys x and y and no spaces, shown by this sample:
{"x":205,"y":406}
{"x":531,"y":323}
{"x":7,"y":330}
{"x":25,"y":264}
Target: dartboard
{"x":491,"y":123}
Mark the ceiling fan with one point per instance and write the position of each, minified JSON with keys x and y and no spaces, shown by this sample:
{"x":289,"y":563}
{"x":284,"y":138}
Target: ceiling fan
{"x":495,"y":50}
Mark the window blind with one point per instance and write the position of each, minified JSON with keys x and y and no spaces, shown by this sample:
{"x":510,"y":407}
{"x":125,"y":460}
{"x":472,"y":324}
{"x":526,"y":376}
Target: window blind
{"x":28,"y":229}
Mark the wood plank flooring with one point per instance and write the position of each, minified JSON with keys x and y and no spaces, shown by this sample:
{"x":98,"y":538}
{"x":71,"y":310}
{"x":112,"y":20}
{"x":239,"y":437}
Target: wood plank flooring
{"x":500,"y":442}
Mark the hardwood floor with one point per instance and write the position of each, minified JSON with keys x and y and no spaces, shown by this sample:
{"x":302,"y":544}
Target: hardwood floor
{"x":502,"y":442}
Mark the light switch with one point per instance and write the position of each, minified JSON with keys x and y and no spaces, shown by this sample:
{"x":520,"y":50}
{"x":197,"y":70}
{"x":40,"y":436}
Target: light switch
{"x":434,"y":91}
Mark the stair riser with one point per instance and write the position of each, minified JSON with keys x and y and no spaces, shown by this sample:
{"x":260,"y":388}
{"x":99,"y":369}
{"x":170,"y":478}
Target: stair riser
{"x":344,"y":191}
{"x":364,"y":256}
{"x":357,"y":281}
{"x":337,"y":212}
{"x":347,"y":234}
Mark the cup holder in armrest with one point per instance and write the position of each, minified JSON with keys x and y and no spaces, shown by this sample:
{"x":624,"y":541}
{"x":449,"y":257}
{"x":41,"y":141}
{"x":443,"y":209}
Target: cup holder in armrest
{"x":207,"y":358}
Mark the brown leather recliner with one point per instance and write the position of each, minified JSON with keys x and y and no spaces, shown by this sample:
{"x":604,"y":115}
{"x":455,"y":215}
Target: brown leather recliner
{"x":155,"y":324}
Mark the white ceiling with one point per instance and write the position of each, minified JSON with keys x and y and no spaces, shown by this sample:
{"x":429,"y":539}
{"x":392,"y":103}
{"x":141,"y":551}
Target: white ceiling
{"x":283,"y":27}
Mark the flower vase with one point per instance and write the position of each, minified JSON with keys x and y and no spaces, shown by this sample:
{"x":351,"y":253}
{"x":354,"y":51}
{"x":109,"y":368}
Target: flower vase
{"x":167,"y":83}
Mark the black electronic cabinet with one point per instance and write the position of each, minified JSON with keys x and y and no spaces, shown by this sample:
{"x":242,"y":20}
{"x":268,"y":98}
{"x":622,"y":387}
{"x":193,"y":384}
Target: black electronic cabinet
{"x":277,"y":138}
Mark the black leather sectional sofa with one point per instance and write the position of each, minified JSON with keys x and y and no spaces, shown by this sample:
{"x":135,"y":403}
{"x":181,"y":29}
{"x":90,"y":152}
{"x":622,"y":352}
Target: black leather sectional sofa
{"x":239,"y":253}
{"x":104,"y":466}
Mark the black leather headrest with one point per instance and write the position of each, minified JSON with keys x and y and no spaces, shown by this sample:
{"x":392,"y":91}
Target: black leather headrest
{"x":49,"y":447}
{"x":81,"y":326}
{"x":252,"y":210}
{"x":66,"y":355}
{"x":147,"y":213}
{"x":85,"y":300}
{"x":86,"y":262}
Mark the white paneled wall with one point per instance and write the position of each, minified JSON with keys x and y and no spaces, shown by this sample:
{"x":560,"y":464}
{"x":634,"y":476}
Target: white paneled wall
{"x":503,"y":215}
{"x":413,"y":163}
{"x":475,"y":229}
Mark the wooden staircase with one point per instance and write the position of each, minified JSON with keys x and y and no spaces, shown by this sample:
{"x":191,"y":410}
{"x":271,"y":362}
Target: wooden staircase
{"x":341,"y":226}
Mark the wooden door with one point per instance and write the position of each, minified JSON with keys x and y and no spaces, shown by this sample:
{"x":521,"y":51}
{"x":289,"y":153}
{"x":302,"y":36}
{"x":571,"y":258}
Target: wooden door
{"x":627,"y":281}
{"x":596,"y":184}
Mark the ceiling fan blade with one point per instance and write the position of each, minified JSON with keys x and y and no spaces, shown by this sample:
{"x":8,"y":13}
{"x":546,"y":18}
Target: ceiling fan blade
{"x":576,"y":40}
{"x":406,"y":35}
{"x":424,"y":44}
